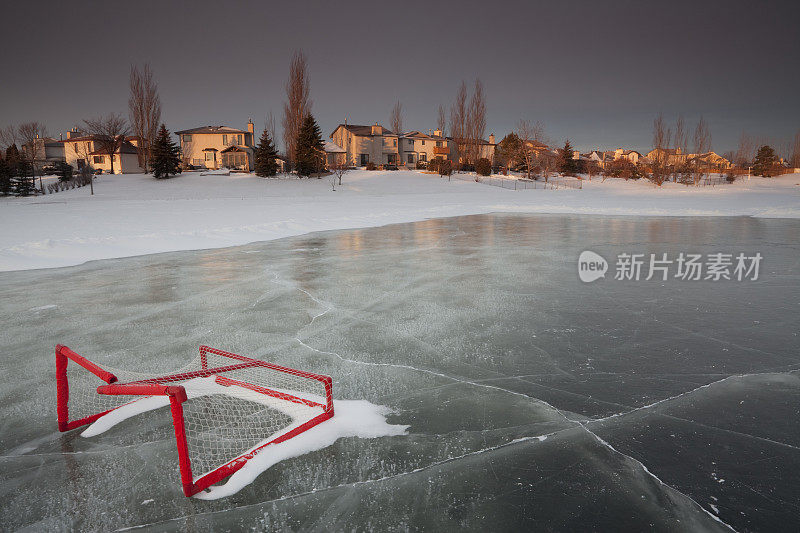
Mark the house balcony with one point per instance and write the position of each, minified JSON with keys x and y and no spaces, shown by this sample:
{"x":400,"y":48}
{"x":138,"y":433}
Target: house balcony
{"x":441,"y":150}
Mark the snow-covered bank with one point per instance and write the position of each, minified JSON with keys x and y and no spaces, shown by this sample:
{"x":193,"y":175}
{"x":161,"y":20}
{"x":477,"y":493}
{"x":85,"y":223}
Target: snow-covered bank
{"x":135,"y":214}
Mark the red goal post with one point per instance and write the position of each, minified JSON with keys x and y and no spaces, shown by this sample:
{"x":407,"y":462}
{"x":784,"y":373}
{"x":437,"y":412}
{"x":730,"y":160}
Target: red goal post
{"x":255,"y":403}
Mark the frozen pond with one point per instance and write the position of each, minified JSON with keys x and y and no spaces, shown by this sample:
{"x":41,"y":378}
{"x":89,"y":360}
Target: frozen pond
{"x":534,"y":401}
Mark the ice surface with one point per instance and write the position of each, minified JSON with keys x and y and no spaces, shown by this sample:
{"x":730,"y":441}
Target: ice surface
{"x":534,"y":402}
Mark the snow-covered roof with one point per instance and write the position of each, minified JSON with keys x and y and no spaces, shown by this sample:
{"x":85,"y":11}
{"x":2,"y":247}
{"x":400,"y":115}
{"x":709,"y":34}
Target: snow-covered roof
{"x":333,"y":148}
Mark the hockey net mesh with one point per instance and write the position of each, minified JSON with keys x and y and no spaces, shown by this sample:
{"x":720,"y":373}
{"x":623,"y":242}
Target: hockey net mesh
{"x":233,"y":405}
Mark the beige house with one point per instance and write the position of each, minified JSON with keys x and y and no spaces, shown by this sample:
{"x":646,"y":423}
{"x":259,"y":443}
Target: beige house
{"x":676,"y":156}
{"x":367,"y":144}
{"x":47,"y":151}
{"x":85,"y":150}
{"x":215,"y":147}
{"x":422,"y":147}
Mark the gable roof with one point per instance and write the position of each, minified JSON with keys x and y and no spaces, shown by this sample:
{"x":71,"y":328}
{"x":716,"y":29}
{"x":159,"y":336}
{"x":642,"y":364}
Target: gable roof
{"x":362,"y":131}
{"x":211,"y":129}
{"x":125,"y":148}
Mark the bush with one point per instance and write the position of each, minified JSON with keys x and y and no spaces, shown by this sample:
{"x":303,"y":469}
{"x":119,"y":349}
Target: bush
{"x":483,"y":167}
{"x":63,"y":171}
{"x":422,"y":165}
{"x":730,"y":177}
{"x":434,"y":163}
{"x":445,"y":167}
{"x":371,"y":166}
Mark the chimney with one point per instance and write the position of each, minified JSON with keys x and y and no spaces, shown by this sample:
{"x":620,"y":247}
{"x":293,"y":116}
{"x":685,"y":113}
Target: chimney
{"x":70,"y":133}
{"x":437,"y":132}
{"x":491,"y":138}
{"x":250,"y":126}
{"x":377,"y":129}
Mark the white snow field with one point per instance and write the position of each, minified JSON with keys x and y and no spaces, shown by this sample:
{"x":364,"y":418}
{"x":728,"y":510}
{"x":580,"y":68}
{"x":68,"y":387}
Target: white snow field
{"x":135,"y":214}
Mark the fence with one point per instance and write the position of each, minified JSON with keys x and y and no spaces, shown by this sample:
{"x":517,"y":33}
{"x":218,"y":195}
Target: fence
{"x":517,"y":184}
{"x":74,"y":183}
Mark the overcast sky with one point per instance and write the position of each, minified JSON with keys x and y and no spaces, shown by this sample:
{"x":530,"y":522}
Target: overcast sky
{"x":594,"y":72}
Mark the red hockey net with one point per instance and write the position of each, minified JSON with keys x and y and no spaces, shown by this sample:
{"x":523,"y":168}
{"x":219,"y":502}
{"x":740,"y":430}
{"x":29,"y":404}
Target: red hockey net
{"x":225,"y":407}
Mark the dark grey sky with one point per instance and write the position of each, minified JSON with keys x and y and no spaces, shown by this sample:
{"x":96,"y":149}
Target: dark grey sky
{"x":594,"y":72}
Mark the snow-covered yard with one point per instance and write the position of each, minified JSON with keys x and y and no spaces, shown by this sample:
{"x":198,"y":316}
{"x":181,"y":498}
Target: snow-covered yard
{"x":136,"y":214}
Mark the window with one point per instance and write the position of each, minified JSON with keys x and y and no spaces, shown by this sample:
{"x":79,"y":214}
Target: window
{"x":364,"y":160}
{"x":410,"y":158}
{"x":75,"y":146}
{"x":439,"y":143}
{"x":209,"y":156}
{"x":239,"y":139}
{"x":411,"y":142}
{"x":423,"y":143}
{"x":187,"y":138}
{"x":423,"y":157}
{"x":98,"y":159}
{"x":224,"y":139}
{"x":394,"y":143}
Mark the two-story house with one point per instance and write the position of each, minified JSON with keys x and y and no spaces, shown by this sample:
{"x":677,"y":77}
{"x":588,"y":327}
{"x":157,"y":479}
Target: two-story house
{"x":215,"y":147}
{"x":367,"y":144}
{"x":85,"y":150}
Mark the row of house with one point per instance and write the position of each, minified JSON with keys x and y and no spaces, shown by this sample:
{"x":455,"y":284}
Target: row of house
{"x":214,"y":147}
{"x":671,"y":156}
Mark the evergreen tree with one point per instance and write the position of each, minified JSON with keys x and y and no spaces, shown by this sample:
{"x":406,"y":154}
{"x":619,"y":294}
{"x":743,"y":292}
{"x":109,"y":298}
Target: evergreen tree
{"x":310,"y":149}
{"x":567,"y":165}
{"x":64,"y":171}
{"x":165,"y":160}
{"x":5,"y":177}
{"x":265,"y":163}
{"x":18,"y":169}
{"x":764,"y":163}
{"x":509,"y":150}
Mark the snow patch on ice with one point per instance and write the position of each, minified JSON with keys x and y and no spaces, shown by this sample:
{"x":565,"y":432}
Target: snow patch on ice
{"x":352,"y":418}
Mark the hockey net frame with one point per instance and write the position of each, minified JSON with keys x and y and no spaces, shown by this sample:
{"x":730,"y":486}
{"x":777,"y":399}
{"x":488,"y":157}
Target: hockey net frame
{"x":170,"y":386}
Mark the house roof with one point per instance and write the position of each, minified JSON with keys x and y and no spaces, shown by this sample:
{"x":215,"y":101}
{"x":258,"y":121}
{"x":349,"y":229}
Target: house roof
{"x":235,"y":148}
{"x":418,"y":135}
{"x":333,"y":148}
{"x":362,"y":131}
{"x":125,"y":148}
{"x":211,"y":129}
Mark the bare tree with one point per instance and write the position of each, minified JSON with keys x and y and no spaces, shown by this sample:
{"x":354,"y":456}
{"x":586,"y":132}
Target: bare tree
{"x":745,"y":151}
{"x":31,"y":135}
{"x":109,"y":133}
{"x":661,"y":140}
{"x":441,"y":122}
{"x":526,"y":134}
{"x":795,"y":155}
{"x":476,"y":121}
{"x":702,"y":144}
{"x":144,"y":110}
{"x":269,"y":126}
{"x":8,"y":136}
{"x":396,"y":118}
{"x":338,"y":169}
{"x":298,"y":104}
{"x":458,"y":120}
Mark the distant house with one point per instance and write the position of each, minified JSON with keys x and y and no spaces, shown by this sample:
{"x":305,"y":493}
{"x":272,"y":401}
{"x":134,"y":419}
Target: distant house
{"x":215,"y":147}
{"x":85,"y":150}
{"x":486,"y":149}
{"x":47,"y":151}
{"x":367,"y":144}
{"x":675,"y":156}
{"x":418,"y":147}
